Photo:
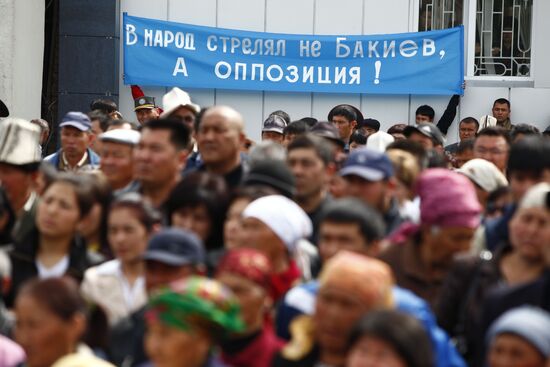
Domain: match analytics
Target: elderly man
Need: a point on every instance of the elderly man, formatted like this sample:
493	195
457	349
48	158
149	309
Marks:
19	161
76	138
117	157
220	136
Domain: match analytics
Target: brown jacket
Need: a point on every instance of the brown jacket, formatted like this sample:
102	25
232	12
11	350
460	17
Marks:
410	272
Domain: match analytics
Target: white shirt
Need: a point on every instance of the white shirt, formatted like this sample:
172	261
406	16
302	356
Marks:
58	270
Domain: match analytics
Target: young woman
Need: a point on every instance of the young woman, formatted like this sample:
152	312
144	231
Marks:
198	203
118	285
54	249
51	320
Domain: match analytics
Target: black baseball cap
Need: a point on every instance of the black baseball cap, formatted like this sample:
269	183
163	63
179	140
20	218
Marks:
175	247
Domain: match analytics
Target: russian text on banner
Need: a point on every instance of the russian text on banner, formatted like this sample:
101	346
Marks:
160	53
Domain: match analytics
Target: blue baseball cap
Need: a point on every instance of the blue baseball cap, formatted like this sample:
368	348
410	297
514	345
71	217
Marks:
368	164
175	247
79	120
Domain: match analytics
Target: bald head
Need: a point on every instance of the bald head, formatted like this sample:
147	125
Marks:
233	117
219	138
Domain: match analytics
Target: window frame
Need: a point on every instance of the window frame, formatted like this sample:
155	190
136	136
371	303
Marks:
469	8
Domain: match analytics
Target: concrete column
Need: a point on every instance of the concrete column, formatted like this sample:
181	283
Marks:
21	56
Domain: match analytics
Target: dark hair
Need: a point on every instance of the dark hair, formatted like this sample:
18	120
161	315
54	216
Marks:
502	101
310	121
436	159
180	135
397	129
296	127
202	188
349	210
120	122
343	110
144	212
470	120
530	155
494	196
524	129
465	145
103	195
412	147
495	131
309	141
251	193
61	296
6	209
425	110
406	335
101	117
107	106
358	138
282	114
83	189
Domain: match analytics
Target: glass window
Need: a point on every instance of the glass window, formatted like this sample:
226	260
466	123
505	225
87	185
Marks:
440	14
503	37
502	32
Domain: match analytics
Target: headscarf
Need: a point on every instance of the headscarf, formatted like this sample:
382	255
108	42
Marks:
249	263
529	323
447	199
484	174
283	216
537	196
196	302
369	279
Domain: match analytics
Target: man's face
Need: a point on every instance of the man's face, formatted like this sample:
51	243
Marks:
74	142
508	349
145	114
336	312
467	130
17	184
219	139
501	111
117	163
372	193
463	157
520	182
96	131
423	119
273	136
345	126
309	171
493	149
422	139
157	160
158	274
185	115
445	243
334	237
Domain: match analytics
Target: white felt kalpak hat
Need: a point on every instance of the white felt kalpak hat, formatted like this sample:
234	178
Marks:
176	98
19	142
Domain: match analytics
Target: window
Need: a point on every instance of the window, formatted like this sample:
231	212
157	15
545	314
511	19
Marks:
503	37
502	31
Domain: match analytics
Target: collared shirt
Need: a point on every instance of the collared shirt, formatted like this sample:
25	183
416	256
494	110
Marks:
64	164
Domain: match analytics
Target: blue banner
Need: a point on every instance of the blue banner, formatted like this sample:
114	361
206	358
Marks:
160	53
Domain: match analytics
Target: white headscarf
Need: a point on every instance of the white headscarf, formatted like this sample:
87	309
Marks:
283	216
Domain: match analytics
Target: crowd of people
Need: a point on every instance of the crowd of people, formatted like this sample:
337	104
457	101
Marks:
172	239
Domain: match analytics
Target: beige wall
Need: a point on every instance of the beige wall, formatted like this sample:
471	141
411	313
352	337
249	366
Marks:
21	58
